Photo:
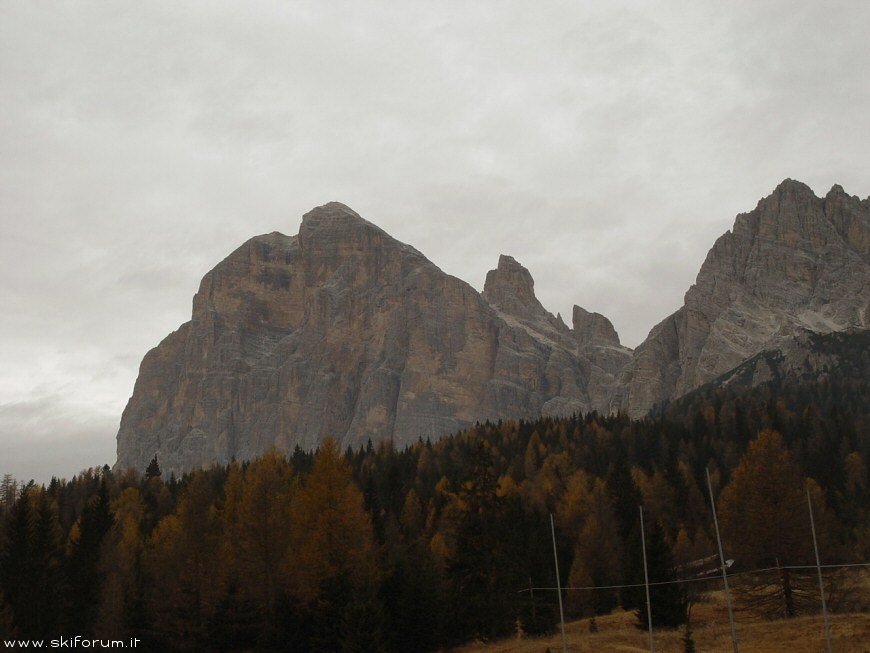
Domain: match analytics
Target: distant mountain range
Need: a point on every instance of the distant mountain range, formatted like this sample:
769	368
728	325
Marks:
344	331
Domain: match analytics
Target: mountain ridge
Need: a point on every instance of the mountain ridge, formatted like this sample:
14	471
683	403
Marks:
342	330
795	262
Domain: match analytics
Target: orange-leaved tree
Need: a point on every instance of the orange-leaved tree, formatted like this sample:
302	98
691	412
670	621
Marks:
331	534
257	524
332	566
764	519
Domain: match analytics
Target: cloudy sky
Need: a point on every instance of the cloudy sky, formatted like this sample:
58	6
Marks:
603	145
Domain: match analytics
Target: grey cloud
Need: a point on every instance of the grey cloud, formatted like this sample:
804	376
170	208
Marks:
604	146
48	437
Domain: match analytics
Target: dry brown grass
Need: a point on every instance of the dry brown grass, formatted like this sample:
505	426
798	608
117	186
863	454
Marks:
711	632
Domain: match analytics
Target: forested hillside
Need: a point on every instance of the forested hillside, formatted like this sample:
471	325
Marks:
381	549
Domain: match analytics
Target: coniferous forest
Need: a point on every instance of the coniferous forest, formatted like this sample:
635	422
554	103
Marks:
420	549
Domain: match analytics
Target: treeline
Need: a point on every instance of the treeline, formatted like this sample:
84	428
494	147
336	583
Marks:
381	549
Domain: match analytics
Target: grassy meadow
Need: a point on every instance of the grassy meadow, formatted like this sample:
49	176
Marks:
711	633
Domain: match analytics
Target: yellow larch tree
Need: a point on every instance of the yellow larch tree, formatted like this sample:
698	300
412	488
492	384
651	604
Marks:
332	534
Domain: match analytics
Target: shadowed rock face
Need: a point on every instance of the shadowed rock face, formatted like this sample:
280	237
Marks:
797	262
343	331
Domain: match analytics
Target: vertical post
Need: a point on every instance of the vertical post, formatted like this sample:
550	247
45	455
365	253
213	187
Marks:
558	586
722	562
819	569
534	610
652	646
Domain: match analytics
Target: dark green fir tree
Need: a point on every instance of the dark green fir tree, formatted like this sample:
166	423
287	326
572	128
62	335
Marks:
667	597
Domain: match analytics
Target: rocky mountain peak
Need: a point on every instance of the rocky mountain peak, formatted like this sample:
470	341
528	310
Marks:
836	189
342	330
593	327
787	213
336	235
793	187
795	262
331	211
335	221
788	196
510	288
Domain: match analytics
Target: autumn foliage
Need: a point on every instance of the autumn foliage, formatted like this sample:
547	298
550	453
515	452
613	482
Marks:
380	549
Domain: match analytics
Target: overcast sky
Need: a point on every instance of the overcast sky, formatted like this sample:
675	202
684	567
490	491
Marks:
604	145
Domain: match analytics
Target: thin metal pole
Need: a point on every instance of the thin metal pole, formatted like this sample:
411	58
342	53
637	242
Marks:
722	562
534	611
819	569
558	586
652	646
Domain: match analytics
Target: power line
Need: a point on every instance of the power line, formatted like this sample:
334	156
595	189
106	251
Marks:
698	580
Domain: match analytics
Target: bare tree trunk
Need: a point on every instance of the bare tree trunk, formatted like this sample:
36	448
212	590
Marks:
787	593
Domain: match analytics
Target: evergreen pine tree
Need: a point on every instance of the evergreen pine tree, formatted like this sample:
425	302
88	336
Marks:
362	626
480	569
5	619
153	469
31	577
627	498
44	565
13	578
233	626
668	601
83	570
412	579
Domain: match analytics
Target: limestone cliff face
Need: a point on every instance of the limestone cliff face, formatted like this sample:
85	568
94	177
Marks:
796	262
593	344
343	331
598	343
